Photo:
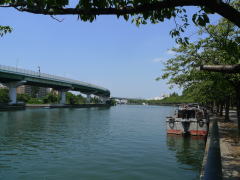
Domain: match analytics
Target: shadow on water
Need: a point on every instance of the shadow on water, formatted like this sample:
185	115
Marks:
189	150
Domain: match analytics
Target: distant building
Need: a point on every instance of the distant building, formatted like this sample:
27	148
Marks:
121	101
31	90
160	97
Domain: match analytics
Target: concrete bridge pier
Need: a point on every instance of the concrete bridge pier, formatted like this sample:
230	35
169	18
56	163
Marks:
12	93
88	98
12	86
63	97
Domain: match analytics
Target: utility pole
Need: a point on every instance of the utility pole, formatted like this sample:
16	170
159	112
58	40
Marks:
39	71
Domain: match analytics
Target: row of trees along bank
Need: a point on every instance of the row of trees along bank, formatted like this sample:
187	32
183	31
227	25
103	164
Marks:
51	98
218	44
173	99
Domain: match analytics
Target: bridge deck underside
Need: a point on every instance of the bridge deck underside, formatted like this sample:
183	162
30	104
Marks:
58	85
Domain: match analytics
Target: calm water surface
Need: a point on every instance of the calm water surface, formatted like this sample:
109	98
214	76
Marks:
121	142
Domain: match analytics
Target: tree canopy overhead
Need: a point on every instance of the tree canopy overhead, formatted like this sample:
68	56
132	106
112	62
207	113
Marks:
139	11
153	10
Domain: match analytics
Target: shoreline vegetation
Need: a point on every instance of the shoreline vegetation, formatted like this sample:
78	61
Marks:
173	99
51	98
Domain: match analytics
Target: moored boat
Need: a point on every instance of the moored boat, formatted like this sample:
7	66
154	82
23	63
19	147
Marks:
188	119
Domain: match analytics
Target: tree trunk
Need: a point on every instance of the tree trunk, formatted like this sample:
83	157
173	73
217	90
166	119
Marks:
221	109
232	102
227	105
218	108
212	107
237	89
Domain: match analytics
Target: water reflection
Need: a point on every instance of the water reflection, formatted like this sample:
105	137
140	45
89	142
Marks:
50	127
189	150
123	142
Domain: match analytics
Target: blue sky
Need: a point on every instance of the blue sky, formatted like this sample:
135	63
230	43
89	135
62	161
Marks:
109	52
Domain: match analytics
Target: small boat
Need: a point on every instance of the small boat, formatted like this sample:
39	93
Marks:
188	119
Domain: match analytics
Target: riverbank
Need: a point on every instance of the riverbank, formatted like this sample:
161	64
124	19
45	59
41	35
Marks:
49	106
65	106
11	107
227	140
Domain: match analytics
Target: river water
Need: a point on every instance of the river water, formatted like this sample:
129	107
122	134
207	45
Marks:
123	142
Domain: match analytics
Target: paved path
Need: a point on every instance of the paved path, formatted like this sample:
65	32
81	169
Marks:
230	147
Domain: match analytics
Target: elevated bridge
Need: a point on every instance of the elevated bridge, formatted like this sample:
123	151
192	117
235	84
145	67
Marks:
125	98
14	77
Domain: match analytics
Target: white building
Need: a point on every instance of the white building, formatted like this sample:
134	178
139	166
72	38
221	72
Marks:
160	97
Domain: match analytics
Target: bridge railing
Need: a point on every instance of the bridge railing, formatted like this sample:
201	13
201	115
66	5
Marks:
21	71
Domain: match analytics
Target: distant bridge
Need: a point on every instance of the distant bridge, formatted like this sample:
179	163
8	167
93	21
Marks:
125	98
14	77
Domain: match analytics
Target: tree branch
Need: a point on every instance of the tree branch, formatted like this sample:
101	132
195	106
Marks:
226	11
59	20
221	68
221	8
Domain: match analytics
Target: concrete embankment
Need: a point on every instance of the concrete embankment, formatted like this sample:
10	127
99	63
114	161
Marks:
11	107
65	106
22	107
222	152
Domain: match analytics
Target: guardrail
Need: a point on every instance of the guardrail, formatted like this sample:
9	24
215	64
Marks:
47	76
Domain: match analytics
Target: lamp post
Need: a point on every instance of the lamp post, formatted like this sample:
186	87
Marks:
39	71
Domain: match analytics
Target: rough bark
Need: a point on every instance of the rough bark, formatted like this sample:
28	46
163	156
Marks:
221	68
227	105
221	109
225	10
218	108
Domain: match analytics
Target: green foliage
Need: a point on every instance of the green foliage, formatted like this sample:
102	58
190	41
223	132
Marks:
50	98
23	98
71	98
95	100
111	102
4	98
75	99
220	45
81	99
35	101
35	91
138	11
174	98
4	30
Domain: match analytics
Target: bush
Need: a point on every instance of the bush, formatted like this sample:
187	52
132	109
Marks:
35	101
4	98
111	102
23	97
50	98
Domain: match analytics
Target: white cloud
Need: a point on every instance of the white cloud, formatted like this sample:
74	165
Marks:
157	60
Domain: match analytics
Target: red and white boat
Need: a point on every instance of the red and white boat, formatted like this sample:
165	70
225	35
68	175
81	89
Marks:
188	119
